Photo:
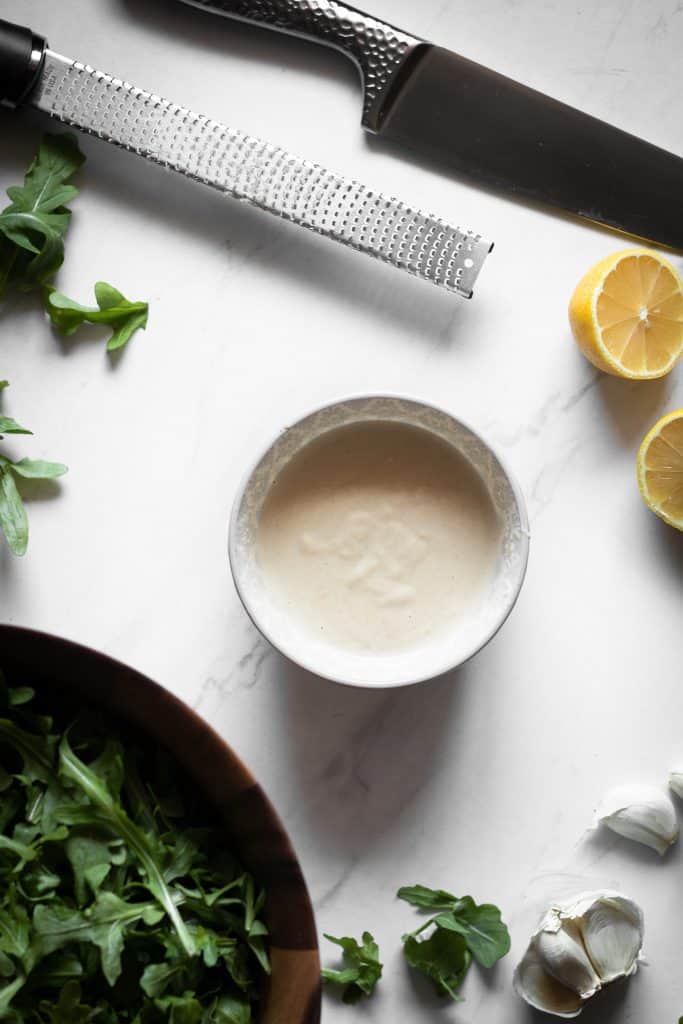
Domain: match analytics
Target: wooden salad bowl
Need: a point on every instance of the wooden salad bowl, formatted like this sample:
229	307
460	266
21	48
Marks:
255	831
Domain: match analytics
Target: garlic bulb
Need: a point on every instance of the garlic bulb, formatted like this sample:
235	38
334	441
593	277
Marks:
676	781
581	945
643	813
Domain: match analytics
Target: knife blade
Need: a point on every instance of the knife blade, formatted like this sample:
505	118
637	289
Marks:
236	164
486	126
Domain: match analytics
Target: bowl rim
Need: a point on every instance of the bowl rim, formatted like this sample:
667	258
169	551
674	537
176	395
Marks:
448	666
25	646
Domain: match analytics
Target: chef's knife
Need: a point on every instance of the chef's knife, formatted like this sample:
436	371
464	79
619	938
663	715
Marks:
484	125
237	164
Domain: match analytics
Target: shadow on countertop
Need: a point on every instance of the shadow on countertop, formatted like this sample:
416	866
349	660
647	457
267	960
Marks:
362	757
668	542
630	408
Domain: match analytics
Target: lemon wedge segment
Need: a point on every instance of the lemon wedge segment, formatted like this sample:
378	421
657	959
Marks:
627	315
660	469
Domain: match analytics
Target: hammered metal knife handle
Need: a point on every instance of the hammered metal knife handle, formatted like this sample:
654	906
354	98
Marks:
379	50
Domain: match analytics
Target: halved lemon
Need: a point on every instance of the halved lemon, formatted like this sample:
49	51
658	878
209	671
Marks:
660	469
627	314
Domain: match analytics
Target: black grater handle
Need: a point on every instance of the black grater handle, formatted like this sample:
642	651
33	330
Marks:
21	61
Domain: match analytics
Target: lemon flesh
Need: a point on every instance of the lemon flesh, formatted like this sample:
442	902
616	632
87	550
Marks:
660	469
627	315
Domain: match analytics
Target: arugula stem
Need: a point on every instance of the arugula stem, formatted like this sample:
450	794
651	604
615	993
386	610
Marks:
78	772
423	927
8	993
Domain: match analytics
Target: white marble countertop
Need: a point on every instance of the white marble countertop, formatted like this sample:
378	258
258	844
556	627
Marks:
482	782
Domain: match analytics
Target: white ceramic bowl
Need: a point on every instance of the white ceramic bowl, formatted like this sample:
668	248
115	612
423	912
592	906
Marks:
469	634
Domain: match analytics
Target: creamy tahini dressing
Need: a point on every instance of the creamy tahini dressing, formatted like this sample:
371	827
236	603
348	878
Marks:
377	536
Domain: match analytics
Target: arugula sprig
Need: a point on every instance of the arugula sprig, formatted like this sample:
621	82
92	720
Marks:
462	931
13	518
33	226
114	309
32	230
362	968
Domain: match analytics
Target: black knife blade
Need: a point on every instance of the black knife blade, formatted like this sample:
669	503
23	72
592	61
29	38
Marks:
514	138
487	126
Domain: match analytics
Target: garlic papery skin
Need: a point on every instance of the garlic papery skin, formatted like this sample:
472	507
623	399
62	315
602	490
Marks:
676	781
643	813
580	946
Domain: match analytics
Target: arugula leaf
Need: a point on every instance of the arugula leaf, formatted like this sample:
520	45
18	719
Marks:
13	518
57	971
91	856
10	426
14	926
123	316
157	978
443	957
429	899
36	752
69	1009
104	924
362	968
38	469
231	1010
19	695
33	226
183	1009
486	934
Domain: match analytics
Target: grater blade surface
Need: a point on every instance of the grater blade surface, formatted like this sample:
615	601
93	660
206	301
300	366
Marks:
259	173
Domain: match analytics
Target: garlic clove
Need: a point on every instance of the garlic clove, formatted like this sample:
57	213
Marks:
612	932
602	929
643	813
676	781
540	990
564	957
